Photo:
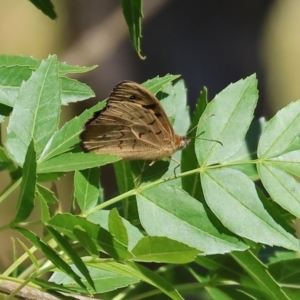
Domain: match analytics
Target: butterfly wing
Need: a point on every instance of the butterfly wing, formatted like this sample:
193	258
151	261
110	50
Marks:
133	125
131	92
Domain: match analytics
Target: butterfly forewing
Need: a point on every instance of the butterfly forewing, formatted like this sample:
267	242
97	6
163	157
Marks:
133	125
132	92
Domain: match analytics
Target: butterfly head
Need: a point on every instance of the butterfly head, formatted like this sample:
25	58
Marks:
182	142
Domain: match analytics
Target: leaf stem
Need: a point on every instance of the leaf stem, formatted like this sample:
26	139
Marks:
155	183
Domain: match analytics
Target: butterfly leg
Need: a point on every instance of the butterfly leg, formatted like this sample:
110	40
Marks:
178	165
144	167
152	163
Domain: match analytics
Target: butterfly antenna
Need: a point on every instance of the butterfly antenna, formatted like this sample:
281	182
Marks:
212	115
207	139
191	130
212	141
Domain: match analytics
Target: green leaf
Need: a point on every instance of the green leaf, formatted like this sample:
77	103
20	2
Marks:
44	208
65	224
68	136
289	162
162	249
46	7
75	161
50	254
102	218
280	132
227	280
154	279
132	11
125	183
117	227
226	119
11	78
228	293
186	218
112	246
64	69
285	268
240	209
142	273
282	217
156	84
178	99
45	197
182	114
52	289
72	254
27	193
74	91
104	280
87	188
16	69
258	272
47	194
50	176
30	255
5	111
36	111
139	272
192	183
86	241
5	161
247	151
282	187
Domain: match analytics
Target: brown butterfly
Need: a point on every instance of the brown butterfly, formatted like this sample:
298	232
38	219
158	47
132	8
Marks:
133	125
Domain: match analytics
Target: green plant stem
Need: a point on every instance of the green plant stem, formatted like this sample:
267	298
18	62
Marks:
162	180
10	189
18	262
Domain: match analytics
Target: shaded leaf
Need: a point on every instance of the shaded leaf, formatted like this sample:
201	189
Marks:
46	7
50	254
132	11
72	254
192	184
86	241
65	223
27	193
259	273
102	218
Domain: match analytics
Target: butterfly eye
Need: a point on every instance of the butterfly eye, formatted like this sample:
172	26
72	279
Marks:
132	97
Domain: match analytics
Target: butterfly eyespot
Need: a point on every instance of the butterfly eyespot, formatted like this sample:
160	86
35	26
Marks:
132	97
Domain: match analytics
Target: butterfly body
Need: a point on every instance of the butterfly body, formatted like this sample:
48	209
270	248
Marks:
133	125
